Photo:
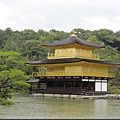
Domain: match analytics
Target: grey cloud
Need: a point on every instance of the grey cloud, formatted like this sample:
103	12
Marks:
59	14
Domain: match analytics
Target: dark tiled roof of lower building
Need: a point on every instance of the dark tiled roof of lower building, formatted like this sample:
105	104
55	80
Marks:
33	80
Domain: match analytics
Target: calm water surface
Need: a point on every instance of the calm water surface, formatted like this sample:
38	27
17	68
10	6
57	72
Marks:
60	108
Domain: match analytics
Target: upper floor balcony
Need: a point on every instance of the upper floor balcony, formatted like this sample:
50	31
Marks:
63	73
64	55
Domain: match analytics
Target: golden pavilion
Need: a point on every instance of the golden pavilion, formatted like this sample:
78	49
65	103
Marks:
73	68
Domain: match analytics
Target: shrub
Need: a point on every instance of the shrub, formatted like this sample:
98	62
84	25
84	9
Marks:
5	102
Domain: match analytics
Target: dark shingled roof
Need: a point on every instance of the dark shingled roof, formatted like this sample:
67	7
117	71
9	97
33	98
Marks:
69	60
70	40
33	80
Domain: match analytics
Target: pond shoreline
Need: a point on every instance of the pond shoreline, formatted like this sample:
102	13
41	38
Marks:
28	107
106	96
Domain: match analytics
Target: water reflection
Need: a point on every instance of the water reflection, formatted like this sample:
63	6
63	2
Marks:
100	108
42	108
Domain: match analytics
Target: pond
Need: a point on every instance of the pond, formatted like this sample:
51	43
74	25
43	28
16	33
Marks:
60	108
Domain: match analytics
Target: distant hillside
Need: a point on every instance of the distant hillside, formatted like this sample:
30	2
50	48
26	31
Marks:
29	44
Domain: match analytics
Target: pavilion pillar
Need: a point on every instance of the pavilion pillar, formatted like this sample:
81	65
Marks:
46	83
64	84
71	84
80	83
89	86
39	84
107	84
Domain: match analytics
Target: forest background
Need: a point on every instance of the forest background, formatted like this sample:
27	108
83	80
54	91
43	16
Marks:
18	47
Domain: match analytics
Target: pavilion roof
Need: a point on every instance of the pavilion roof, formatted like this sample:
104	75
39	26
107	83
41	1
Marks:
71	40
69	60
33	80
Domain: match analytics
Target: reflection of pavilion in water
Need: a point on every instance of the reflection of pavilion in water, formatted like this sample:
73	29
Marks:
100	110
73	68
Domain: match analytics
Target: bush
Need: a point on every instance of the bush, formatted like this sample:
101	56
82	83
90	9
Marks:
114	89
5	102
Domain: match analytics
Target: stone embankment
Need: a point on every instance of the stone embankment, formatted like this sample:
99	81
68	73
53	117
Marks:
107	96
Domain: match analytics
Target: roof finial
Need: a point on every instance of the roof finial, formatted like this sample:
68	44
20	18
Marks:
74	33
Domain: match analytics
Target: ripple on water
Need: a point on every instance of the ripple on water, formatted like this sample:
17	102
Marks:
64	108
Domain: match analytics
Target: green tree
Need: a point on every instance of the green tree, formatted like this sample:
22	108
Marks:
2	37
34	50
109	54
12	80
29	34
93	39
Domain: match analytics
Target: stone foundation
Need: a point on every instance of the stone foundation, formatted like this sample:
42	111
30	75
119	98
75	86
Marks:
73	96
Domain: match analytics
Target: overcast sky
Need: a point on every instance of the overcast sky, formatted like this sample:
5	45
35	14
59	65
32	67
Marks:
63	15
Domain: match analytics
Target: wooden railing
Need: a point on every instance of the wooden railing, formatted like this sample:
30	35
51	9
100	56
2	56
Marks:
62	73
58	90
93	56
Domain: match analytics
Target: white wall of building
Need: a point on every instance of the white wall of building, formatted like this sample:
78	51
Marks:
101	86
104	86
97	86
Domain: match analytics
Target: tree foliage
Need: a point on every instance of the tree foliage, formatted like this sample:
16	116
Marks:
11	79
27	46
